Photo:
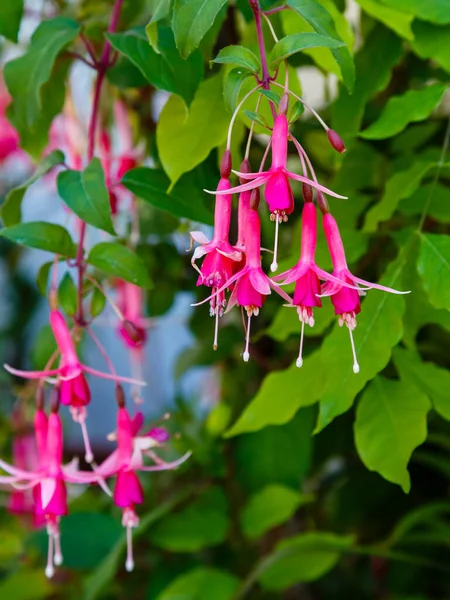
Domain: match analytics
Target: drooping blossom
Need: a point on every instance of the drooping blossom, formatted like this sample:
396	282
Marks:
9	138
126	460
344	297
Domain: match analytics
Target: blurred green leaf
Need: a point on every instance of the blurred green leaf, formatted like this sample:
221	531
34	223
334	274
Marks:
10	18
435	11
201	584
119	261
67	295
98	302
42	235
398	21
438	208
434	268
291	44
239	56
287	323
26	584
419	516
432	42
191	20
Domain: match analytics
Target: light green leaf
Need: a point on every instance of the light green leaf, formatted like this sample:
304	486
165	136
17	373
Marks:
398	21
42	235
291	44
286	323
411	107
10	210
85	193
399	186
26	584
151	185
391	421
119	261
160	10
239	56
67	295
191	20
273	505
321	21
432	42
201	584
298	388
432	380
185	137
436	11
10	18
165	70
234	81
434	268
26	75
379	330
305	557
203	523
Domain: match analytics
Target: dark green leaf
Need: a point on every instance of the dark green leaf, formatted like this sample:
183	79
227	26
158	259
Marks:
85	193
191	20
273	96
201	584
10	18
432	42
41	235
398	21
233	84
436	11
119	261
10	210
67	295
319	18
98	302
434	268
253	116
292	44
239	56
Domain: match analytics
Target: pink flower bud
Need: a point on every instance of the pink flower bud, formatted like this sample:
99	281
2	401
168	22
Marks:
336	141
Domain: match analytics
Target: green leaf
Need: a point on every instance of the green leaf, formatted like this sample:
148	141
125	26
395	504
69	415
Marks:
203	523
379	330
119	261
26	584
432	380
191	20
291	44
273	505
86	195
434	268
42	235
411	107
160	10
67	295
151	185
436	11
274	97
25	76
10	18
419	516
234	81
391	421
432	42
201	584
321	21
165	70
298	388
286	323
398	21
239	56
438	209
98	302
304	557
186	137
10	210
253	116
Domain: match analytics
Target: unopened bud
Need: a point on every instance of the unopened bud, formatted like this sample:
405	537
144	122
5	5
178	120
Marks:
307	192
254	199
245	168
120	396
55	399
40	398
136	334
284	104
322	203
336	141
225	165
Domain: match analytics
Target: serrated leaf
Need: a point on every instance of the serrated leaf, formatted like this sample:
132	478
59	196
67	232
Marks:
10	210
398	21
432	42
86	195
151	185
25	76
391	415
273	505
185	137
411	107
304	557
321	21
239	56
119	261
10	18
67	295
191	20
434	268
42	235
436	11
164	69
234	81
291	44
202	583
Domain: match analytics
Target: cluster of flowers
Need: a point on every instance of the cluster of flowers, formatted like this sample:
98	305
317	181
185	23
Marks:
237	269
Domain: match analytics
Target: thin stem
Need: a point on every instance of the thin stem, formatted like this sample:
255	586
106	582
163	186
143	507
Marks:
265	80
318	117
80	57
103	352
275	10
270	26
89	48
113	305
252	129
235	114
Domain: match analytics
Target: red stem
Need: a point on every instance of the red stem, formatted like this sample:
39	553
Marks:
276	9
265	80
102	67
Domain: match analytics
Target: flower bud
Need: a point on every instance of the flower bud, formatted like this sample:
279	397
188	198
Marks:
245	168
307	192
40	398
120	396
225	165
284	104
55	399
322	203
135	334
336	141
254	199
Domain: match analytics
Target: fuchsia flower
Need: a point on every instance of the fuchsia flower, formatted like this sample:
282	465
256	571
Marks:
217	266
344	295
48	481
126	460
24	457
132	329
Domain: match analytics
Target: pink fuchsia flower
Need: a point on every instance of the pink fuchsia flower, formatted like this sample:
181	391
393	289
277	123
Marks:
278	191
345	293
217	266
126	460
24	454
251	284
48	481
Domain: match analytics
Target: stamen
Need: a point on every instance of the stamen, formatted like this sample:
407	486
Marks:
299	361
89	456
58	557
129	563
274	265
355	361
246	354
50	569
216	329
